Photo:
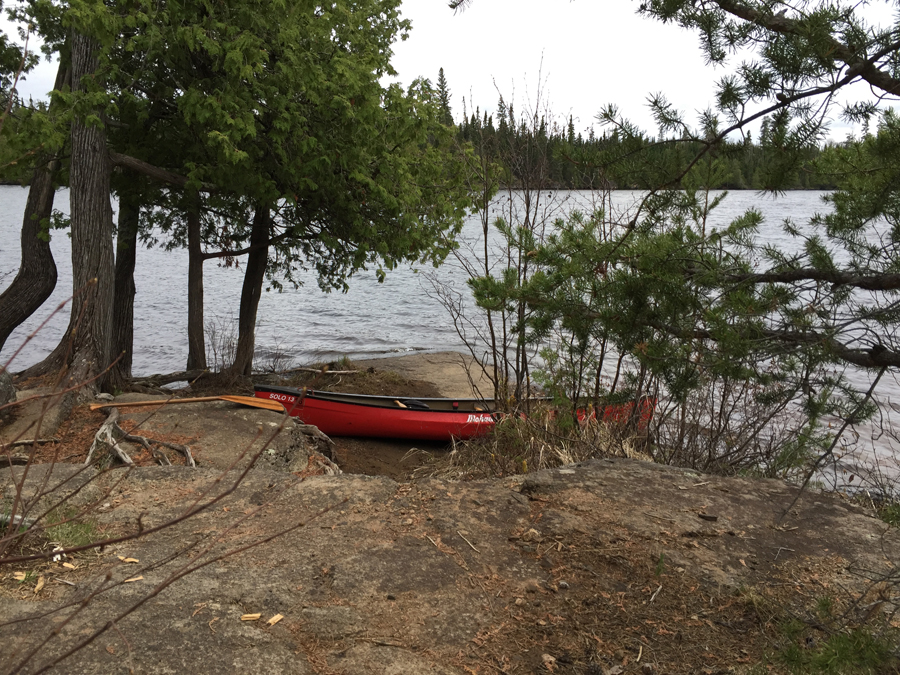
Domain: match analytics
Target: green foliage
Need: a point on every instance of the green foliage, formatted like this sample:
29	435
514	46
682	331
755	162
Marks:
660	565
627	158
275	103
69	529
890	513
854	651
722	321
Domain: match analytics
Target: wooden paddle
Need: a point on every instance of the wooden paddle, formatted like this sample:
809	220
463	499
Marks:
252	401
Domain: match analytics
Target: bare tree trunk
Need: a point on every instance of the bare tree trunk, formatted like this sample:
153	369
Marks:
123	300
196	342
36	278
252	291
92	233
82	354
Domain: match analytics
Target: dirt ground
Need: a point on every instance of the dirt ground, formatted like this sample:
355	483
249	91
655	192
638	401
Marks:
608	567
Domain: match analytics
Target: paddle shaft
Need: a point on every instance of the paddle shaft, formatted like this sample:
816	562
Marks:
243	400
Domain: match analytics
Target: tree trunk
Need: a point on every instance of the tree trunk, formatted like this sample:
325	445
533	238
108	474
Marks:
36	278
252	291
196	340
92	237
82	354
123	301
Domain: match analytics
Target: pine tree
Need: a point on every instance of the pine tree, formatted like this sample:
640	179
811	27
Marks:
446	116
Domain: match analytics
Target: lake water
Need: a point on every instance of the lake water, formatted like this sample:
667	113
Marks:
305	324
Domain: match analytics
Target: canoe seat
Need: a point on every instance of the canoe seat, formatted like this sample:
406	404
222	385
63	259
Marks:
413	404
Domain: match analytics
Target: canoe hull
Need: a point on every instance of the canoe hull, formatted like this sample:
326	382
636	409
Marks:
383	416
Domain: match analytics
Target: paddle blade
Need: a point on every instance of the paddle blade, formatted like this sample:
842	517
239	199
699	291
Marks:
255	402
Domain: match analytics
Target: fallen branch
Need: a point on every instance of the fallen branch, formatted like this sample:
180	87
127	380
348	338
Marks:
31	441
321	371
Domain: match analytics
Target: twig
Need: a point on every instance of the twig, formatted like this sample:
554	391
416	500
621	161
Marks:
471	545
780	549
655	593
380	641
322	371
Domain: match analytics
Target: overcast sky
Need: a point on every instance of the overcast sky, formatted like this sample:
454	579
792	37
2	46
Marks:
579	55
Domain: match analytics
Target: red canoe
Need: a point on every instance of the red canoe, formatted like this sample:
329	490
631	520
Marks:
436	419
336	414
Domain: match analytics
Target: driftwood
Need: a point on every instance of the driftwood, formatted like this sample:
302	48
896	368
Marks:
169	378
160	457
106	436
320	371
30	441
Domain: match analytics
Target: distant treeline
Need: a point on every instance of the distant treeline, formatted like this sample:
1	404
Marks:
628	159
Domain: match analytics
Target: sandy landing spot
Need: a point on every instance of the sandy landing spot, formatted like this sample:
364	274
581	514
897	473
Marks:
453	373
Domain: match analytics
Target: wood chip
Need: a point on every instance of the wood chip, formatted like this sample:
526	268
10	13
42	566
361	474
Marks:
68	566
275	619
20	576
39	585
138	578
128	560
251	617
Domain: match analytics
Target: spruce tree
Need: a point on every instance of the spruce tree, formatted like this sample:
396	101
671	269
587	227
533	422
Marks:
446	116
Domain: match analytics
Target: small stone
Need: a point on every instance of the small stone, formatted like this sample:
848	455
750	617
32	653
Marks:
105	397
532	587
532	535
563	585
408	521
647	668
547	659
520	601
391	597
